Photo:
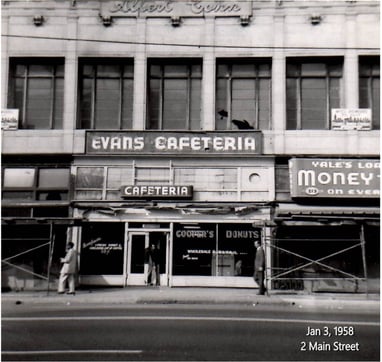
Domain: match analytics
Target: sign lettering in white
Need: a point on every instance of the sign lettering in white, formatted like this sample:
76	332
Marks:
334	178
173	142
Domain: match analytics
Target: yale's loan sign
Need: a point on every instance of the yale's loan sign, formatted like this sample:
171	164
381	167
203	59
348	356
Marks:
350	178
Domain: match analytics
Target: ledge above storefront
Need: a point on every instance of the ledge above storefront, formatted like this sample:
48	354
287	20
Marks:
321	142
312	142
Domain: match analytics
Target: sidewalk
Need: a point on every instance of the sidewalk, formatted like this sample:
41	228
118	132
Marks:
192	295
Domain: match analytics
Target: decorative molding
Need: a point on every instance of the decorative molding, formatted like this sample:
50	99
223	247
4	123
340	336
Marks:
315	19
245	20
106	20
172	8
176	21
38	20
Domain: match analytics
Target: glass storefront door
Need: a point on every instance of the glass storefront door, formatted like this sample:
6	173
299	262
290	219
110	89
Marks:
138	263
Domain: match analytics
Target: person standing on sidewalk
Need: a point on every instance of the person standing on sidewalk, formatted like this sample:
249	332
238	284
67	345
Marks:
68	270
259	267
148	266
155	265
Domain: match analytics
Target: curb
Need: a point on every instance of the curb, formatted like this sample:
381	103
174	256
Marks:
364	303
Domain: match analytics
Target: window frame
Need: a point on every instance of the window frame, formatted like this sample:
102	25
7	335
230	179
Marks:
371	61
162	63
120	63
257	62
14	62
298	63
35	190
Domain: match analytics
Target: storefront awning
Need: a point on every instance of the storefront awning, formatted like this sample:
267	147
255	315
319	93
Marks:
317	213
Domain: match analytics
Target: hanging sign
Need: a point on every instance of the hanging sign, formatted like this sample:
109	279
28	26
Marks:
156	192
9	119
351	119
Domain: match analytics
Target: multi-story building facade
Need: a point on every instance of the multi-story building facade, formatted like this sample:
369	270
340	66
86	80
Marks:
199	126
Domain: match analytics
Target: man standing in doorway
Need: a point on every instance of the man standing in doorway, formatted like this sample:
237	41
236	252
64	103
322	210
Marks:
259	267
68	270
155	264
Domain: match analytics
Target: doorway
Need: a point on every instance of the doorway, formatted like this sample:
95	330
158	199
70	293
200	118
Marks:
138	242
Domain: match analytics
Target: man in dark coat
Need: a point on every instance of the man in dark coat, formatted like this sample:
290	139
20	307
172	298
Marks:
259	267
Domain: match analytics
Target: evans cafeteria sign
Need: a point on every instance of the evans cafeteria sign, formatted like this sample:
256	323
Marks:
150	142
343	178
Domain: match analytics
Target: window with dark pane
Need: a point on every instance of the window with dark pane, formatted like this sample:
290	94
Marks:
36	89
243	92
36	183
313	88
369	87
106	94
174	95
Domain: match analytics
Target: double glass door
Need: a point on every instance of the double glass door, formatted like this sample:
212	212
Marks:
138	263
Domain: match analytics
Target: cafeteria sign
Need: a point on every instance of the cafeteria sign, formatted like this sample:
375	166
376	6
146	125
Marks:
157	142
343	178
156	191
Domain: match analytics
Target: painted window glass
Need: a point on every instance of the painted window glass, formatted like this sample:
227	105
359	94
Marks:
102	248
214	249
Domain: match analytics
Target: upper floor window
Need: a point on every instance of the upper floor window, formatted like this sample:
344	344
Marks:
313	88
174	95
36	183
36	88
106	94
369	87
243	93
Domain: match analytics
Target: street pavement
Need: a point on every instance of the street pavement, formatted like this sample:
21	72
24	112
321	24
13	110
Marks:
191	295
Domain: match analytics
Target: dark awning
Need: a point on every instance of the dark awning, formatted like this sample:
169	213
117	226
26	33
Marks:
285	212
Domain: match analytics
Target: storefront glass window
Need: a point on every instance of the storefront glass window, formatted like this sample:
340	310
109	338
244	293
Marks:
102	249
194	249
214	249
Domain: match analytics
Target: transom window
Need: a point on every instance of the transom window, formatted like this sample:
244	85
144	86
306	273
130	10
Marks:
104	182
36	183
369	87
243	93
106	94
313	88
174	99
36	89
